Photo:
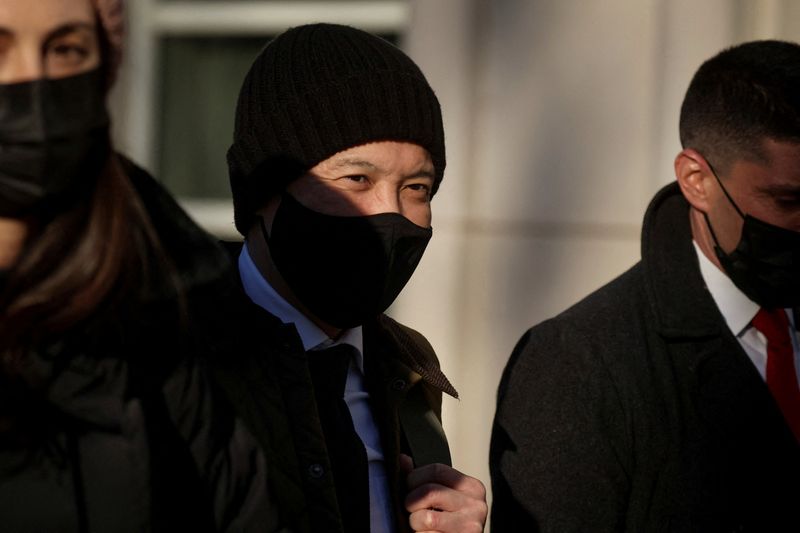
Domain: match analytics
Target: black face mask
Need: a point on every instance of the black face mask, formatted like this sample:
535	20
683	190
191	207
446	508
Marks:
765	265
53	141
345	270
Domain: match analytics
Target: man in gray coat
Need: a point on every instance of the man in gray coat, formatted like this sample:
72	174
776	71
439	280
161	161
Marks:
668	400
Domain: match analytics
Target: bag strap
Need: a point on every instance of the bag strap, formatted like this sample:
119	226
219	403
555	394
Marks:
423	430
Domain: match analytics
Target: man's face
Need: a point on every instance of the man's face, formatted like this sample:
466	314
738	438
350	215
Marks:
370	179
767	191
379	177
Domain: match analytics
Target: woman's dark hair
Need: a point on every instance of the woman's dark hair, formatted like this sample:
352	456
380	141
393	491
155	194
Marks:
740	97
79	261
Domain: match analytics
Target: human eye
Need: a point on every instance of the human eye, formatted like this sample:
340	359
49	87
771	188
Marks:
420	187
69	54
420	190
353	182
787	201
68	49
787	209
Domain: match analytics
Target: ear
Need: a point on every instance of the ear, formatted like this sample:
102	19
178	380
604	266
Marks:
694	178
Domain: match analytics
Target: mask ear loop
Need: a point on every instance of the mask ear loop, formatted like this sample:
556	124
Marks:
264	232
724	190
728	196
263	225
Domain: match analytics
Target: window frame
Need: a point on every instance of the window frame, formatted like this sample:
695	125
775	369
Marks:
135	102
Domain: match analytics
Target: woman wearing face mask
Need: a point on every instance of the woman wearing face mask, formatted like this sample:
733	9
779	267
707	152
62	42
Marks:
107	423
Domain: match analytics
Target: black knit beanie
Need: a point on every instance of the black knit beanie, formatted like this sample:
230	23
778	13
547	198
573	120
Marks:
316	90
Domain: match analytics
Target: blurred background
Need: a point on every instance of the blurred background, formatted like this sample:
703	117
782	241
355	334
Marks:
561	123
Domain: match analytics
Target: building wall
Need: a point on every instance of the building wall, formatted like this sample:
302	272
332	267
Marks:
561	122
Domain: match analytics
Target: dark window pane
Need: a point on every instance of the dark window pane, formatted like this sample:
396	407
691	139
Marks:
199	81
200	78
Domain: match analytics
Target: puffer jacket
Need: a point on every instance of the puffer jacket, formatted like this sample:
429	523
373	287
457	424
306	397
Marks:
125	432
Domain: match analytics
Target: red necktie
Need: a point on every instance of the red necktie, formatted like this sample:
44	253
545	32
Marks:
781	374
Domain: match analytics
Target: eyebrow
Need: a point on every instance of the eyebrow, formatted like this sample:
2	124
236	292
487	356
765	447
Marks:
363	163
350	162
55	33
68	28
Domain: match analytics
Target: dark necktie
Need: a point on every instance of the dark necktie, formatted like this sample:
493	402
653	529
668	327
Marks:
781	372
345	449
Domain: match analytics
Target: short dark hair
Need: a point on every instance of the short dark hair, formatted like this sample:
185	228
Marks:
740	97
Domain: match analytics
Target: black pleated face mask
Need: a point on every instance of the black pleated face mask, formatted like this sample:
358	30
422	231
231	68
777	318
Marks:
53	142
345	270
765	265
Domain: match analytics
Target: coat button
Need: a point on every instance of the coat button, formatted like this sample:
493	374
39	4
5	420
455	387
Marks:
399	384
316	471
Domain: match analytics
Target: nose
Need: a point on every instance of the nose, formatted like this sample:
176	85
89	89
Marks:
21	65
387	200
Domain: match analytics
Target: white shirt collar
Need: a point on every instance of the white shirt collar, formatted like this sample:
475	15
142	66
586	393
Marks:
262	293
737	309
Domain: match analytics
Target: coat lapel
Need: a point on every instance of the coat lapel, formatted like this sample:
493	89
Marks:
728	395
405	386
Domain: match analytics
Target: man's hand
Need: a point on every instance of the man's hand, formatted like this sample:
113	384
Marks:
442	499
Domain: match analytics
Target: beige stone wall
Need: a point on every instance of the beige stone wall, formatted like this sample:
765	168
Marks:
561	123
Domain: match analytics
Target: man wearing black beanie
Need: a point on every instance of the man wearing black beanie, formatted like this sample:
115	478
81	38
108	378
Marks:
338	149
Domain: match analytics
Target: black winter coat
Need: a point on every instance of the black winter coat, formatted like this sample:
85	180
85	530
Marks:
270	384
130	435
637	410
